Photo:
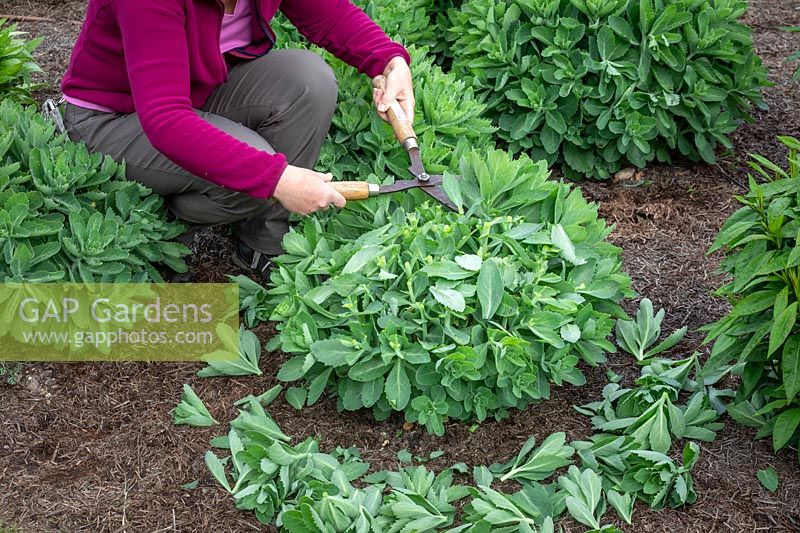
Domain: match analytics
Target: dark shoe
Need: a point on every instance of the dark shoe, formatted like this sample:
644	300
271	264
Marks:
189	236
170	276
246	257
184	277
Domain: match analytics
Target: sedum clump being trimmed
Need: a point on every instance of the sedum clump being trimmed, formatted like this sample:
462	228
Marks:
68	215
595	85
396	304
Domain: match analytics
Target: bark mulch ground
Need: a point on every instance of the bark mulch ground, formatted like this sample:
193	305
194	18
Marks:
92	447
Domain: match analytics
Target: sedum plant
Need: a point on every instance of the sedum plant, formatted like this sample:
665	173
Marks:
252	300
630	472
655	427
410	22
605	454
349	510
419	500
395	304
407	21
16	63
68	215
301	489
585	501
449	115
762	268
596	85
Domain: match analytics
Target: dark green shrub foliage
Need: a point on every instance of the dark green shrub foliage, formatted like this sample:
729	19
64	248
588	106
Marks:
795	56
16	62
598	84
67	215
763	267
398	305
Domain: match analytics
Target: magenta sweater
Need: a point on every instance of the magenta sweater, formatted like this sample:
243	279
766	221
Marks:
161	59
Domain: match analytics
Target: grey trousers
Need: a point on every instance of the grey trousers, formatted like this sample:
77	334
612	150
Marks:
282	102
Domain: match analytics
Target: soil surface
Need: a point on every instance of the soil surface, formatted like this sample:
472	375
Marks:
91	447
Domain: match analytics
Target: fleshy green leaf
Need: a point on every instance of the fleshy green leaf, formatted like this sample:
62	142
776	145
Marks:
490	289
449	298
769	478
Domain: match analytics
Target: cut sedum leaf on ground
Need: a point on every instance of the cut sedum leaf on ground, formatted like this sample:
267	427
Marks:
192	411
769	478
585	500
536	464
234	361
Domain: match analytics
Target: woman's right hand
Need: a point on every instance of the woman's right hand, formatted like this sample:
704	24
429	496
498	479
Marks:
304	191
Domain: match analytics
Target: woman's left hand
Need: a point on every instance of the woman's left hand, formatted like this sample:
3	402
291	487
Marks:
398	87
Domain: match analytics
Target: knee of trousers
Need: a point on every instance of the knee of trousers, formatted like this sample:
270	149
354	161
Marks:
216	206
313	81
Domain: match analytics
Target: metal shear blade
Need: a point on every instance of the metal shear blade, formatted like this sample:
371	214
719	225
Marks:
432	186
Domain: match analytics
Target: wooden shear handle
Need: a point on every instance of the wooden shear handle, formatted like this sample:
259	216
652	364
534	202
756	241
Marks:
355	190
403	129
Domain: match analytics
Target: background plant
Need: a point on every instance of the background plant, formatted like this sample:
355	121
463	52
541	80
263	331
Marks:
449	120
16	63
68	215
407	21
468	314
595	85
762	267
